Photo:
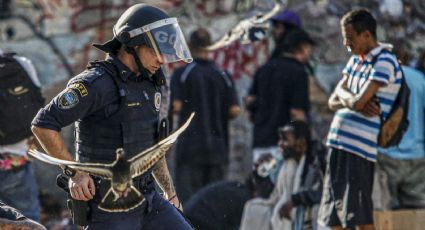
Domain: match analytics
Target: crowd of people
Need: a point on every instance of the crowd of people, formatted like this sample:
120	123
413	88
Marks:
298	180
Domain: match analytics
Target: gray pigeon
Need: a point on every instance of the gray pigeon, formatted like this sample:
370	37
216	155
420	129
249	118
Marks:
121	171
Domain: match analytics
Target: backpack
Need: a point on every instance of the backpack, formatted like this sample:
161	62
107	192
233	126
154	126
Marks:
397	122
20	100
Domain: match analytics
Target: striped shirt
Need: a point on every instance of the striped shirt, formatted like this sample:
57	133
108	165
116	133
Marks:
351	131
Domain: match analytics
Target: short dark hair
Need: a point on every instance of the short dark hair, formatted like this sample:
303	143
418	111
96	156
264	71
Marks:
199	39
300	129
361	20
402	50
296	38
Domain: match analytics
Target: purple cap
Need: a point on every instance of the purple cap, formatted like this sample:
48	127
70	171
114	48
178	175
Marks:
289	17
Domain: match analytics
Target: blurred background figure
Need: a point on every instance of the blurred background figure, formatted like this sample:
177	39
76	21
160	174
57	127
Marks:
279	92
53	215
10	218
297	193
281	24
218	205
202	150
19	101
400	168
420	65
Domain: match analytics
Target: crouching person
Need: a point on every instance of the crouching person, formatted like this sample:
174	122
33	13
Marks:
294	200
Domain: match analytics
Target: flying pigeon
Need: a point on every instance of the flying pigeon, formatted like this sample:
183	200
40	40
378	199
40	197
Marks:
248	28
121	171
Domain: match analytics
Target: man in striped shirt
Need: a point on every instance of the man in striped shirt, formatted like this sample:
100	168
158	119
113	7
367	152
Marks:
363	97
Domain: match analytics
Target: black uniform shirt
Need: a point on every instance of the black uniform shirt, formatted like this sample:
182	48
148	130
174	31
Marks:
209	92
279	86
91	93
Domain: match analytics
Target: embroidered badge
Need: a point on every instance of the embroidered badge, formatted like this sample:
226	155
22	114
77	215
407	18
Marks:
68	99
157	101
81	88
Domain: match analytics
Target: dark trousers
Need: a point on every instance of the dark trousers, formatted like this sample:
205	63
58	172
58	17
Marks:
347	191
191	177
163	216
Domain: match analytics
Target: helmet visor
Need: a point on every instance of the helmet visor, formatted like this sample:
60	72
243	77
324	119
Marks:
167	39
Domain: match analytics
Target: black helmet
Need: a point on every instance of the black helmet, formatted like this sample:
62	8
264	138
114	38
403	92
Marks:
143	24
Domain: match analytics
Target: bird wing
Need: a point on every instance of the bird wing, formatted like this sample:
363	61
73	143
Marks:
231	36
243	26
143	161
95	169
263	18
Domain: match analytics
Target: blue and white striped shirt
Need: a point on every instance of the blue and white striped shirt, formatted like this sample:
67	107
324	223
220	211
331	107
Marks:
351	131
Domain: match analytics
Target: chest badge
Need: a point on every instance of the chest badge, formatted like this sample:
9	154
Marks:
157	101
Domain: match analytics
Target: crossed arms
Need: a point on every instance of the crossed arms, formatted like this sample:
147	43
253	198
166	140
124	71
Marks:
363	102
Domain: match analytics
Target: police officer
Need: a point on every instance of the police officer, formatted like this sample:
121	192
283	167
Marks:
115	104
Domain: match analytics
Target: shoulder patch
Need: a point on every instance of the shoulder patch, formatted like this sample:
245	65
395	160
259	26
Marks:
80	87
68	99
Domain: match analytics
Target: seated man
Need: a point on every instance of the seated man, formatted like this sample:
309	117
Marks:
298	187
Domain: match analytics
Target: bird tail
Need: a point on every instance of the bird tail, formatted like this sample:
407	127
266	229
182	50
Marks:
123	204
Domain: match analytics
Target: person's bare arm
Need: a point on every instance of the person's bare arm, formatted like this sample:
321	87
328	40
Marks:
81	185
234	111
163	178
334	103
363	102
52	143
177	106
359	101
298	115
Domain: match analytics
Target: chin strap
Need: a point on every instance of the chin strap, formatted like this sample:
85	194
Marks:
158	77
142	70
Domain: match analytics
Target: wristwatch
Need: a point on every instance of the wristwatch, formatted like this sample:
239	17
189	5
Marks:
69	171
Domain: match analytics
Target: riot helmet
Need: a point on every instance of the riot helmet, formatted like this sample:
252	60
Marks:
143	24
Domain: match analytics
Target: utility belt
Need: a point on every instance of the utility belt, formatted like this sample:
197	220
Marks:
80	210
143	183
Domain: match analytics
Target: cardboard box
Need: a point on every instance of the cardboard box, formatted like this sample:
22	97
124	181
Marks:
400	220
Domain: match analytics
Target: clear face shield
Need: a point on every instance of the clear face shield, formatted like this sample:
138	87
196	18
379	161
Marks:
167	39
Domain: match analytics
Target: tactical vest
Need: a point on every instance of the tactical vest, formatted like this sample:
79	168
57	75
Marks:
132	127
20	99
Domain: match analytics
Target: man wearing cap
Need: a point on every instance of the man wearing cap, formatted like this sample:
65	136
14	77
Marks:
281	24
279	92
115	104
202	151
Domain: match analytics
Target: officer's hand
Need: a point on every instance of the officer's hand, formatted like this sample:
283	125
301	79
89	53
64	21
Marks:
82	186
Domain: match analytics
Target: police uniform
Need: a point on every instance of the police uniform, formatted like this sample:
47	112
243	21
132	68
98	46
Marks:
114	108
